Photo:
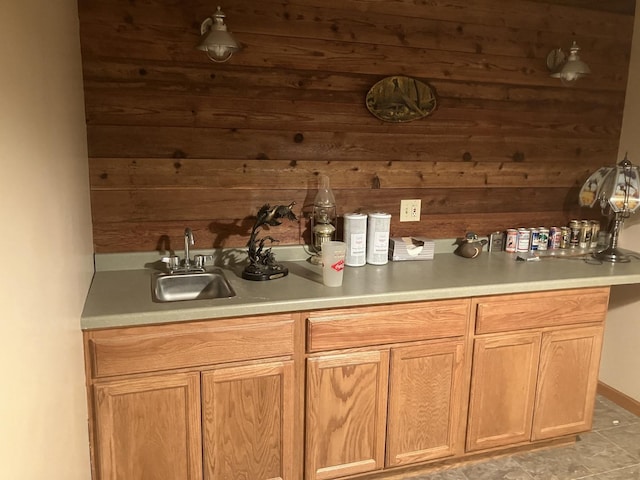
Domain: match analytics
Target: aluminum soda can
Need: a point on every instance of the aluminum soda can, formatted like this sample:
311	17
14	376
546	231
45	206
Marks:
524	236
512	240
555	234
585	234
574	233
496	242
543	238
534	239
565	237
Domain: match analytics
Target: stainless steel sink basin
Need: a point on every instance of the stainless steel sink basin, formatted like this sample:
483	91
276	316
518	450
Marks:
190	286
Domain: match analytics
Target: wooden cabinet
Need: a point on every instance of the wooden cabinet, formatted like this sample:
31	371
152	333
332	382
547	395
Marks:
425	399
149	428
349	420
567	382
179	402
403	398
368	388
503	382
248	421
539	382
346	414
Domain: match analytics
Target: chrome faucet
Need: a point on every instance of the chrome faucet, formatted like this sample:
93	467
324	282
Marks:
175	266
188	240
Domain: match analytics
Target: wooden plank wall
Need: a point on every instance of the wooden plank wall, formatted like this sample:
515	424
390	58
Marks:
176	140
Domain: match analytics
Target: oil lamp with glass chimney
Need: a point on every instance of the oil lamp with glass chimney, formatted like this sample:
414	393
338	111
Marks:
323	218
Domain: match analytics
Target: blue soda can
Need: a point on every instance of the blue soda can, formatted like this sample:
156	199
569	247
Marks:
555	235
543	238
534	240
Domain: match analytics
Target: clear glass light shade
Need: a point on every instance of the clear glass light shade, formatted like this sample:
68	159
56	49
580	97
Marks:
570	70
323	216
216	40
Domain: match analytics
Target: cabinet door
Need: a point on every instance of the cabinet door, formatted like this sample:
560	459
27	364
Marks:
567	382
149	428
346	414
424	402
503	384
248	422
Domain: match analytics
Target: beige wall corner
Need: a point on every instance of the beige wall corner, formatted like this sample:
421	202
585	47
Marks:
621	353
46	243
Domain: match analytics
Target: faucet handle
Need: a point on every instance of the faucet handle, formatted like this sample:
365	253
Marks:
201	260
172	261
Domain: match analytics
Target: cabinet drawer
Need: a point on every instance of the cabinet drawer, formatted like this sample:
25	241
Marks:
502	313
366	326
161	347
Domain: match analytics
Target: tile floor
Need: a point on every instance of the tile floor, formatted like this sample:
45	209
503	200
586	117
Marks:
611	451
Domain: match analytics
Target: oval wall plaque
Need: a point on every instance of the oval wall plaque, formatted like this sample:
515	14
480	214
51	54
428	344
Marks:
400	99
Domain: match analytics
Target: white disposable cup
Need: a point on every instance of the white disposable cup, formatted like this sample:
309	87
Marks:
333	254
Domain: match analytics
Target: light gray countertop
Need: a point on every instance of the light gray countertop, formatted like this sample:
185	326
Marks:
120	294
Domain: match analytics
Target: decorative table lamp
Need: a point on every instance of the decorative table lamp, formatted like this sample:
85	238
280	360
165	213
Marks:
617	189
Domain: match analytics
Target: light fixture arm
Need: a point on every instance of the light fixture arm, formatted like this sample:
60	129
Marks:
205	26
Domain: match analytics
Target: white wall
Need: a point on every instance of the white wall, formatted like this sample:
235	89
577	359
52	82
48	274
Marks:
621	355
46	244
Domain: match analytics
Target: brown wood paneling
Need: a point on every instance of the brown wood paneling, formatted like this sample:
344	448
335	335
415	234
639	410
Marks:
619	6
113	79
127	41
111	107
245	15
174	204
169	235
158	173
175	140
321	113
340	145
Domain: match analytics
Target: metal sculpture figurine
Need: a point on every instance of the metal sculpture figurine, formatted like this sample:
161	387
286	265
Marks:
262	262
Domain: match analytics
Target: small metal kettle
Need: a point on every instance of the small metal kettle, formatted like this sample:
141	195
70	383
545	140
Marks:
470	246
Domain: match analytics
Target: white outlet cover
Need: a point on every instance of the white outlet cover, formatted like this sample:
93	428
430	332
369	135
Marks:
410	210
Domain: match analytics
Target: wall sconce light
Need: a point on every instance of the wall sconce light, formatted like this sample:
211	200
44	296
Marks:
617	190
568	69
216	41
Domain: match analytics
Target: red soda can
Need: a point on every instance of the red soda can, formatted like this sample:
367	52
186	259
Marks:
512	240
